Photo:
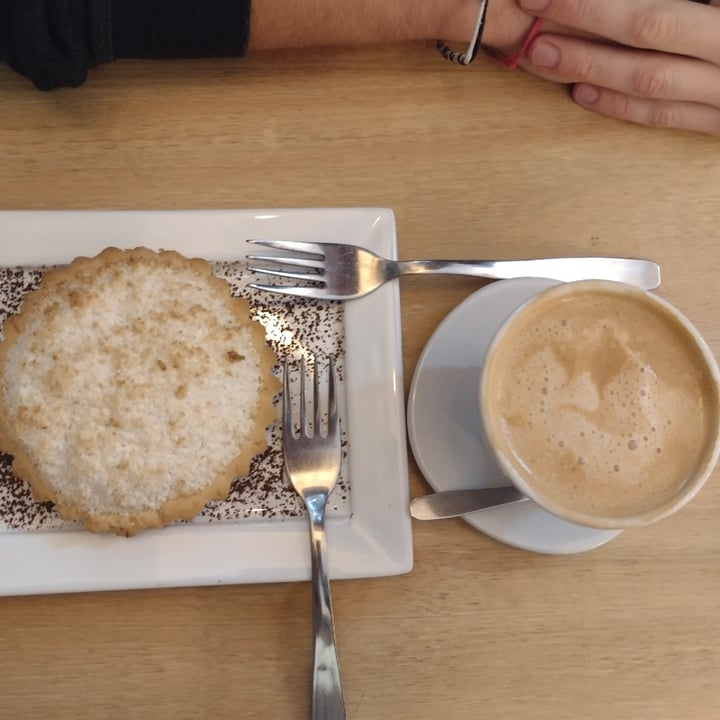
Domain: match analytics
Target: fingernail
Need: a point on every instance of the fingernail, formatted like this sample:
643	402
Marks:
587	94
534	5
545	55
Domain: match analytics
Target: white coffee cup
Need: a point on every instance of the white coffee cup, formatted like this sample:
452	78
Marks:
601	402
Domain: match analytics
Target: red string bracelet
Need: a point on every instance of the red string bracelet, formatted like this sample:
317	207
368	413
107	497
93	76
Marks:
512	60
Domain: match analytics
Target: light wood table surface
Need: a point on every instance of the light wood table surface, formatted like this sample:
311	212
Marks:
475	162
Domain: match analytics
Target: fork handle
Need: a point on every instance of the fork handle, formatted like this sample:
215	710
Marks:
478	268
327	695
643	273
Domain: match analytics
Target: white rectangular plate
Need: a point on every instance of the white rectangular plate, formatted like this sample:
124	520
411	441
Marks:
371	537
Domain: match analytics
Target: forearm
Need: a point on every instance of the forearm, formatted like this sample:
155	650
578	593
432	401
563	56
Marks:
55	43
312	23
315	23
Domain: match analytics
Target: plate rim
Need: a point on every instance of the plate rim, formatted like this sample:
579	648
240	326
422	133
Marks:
376	540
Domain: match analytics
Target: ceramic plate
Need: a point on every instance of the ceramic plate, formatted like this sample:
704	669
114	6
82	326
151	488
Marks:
444	423
260	533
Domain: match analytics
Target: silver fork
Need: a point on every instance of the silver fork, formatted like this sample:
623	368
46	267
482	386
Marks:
344	272
312	463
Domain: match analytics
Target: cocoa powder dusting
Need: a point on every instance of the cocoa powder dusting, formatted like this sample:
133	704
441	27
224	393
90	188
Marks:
293	326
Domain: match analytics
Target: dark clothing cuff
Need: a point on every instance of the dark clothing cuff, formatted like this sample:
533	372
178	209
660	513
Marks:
55	42
180	28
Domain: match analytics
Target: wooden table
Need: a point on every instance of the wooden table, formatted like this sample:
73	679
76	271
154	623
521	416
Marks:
475	162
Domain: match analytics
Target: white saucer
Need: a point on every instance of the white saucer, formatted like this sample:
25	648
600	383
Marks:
444	423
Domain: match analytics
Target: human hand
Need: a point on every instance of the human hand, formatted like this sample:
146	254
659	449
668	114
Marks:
657	62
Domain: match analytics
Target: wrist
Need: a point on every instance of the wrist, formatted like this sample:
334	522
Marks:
454	21
506	26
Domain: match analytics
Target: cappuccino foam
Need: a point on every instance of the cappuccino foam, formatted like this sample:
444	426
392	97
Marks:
602	401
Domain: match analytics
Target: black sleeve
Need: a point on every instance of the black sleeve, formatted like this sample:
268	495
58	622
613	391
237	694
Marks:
55	42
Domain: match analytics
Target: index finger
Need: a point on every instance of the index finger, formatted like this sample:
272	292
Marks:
672	26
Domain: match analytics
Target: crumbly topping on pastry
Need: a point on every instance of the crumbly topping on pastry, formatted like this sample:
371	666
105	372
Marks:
134	389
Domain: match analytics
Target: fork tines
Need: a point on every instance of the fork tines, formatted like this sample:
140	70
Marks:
312	409
315	264
297	246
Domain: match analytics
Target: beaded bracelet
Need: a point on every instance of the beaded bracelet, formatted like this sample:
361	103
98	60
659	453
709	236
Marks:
469	55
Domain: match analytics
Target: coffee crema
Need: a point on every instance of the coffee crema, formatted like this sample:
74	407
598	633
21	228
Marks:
601	401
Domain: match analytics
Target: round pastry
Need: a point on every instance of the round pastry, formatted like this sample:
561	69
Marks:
134	389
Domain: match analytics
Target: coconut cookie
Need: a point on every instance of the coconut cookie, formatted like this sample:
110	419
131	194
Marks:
134	389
